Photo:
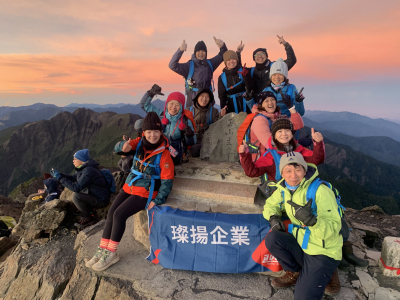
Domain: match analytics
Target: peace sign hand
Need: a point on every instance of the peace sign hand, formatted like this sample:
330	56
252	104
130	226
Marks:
240	47
316	136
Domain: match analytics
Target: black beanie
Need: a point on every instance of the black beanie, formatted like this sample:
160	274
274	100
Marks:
200	46
283	122
152	122
264	95
260	50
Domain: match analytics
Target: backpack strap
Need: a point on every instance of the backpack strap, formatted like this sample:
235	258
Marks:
212	88
311	194
233	96
252	72
211	66
277	160
192	109
209	119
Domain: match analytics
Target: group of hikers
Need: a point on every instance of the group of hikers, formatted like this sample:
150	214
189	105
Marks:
310	249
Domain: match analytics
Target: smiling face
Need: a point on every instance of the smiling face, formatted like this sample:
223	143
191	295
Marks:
269	104
203	99
260	57
153	136
173	107
293	174
284	136
201	54
232	63
277	78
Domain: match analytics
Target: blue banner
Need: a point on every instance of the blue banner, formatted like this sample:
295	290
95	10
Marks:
209	242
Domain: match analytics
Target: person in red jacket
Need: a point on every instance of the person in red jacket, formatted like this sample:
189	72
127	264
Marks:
148	184
280	142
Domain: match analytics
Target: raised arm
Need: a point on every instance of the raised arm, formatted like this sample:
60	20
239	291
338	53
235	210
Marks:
180	68
291	57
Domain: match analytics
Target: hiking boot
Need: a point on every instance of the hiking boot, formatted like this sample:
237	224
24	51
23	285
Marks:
333	286
286	280
349	256
344	265
107	259
96	257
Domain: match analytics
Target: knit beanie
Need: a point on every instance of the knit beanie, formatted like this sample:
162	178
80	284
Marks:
229	55
138	124
279	67
282	122
82	155
200	46
152	122
292	158
181	99
264	95
259	50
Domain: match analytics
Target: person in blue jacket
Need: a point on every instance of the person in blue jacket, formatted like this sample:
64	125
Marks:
279	85
178	123
198	71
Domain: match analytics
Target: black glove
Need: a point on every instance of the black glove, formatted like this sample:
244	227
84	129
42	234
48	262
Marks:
155	90
276	224
303	213
189	132
299	96
286	100
248	96
305	141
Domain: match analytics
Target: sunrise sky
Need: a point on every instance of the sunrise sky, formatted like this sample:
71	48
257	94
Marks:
94	51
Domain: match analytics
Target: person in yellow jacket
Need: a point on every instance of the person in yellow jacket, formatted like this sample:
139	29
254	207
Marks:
309	266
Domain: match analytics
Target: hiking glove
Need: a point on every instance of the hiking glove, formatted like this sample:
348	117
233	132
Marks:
155	90
55	174
276	224
303	213
299	96
189	132
248	96
244	71
286	100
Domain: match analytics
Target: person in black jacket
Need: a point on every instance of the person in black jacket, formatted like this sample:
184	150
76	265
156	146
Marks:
90	187
232	85
260	73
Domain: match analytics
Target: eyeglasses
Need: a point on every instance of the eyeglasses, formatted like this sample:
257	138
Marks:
259	55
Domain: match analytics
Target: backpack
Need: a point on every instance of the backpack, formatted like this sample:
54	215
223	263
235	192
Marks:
191	72
310	196
233	97
243	133
209	118
110	179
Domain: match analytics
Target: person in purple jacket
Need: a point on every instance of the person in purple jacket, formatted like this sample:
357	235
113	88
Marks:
198	71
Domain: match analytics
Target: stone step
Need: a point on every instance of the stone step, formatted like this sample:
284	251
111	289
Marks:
216	190
214	171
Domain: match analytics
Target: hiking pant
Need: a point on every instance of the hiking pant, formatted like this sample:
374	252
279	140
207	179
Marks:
86	203
195	149
124	206
315	270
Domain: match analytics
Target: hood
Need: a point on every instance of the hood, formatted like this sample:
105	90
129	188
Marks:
51	185
210	94
199	61
89	163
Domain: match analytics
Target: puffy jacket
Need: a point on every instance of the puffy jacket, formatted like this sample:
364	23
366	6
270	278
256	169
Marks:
260	131
266	164
232	78
284	110
202	75
51	189
325	238
141	187
168	131
88	176
261	75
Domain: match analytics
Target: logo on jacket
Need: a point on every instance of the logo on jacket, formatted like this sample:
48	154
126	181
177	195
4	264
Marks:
166	165
270	259
291	159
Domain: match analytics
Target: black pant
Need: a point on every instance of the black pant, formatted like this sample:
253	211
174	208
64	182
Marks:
124	206
195	149
315	270
86	203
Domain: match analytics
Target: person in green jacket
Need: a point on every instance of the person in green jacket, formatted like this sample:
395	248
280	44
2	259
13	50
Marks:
309	267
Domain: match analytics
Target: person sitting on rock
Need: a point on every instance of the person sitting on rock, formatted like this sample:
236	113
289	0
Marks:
198	71
267	111
177	122
53	193
148	184
232	86
126	161
261	72
308	265
279	85
90	187
279	143
204	114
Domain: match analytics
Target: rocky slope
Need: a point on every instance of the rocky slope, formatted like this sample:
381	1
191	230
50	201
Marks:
35	148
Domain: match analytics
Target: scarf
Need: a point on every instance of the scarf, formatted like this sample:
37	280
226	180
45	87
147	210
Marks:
149	146
278	87
292	188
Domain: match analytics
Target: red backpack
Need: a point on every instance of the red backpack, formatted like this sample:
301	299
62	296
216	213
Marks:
243	133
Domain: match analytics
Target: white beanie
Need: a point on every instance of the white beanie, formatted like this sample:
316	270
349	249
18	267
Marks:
279	67
292	158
